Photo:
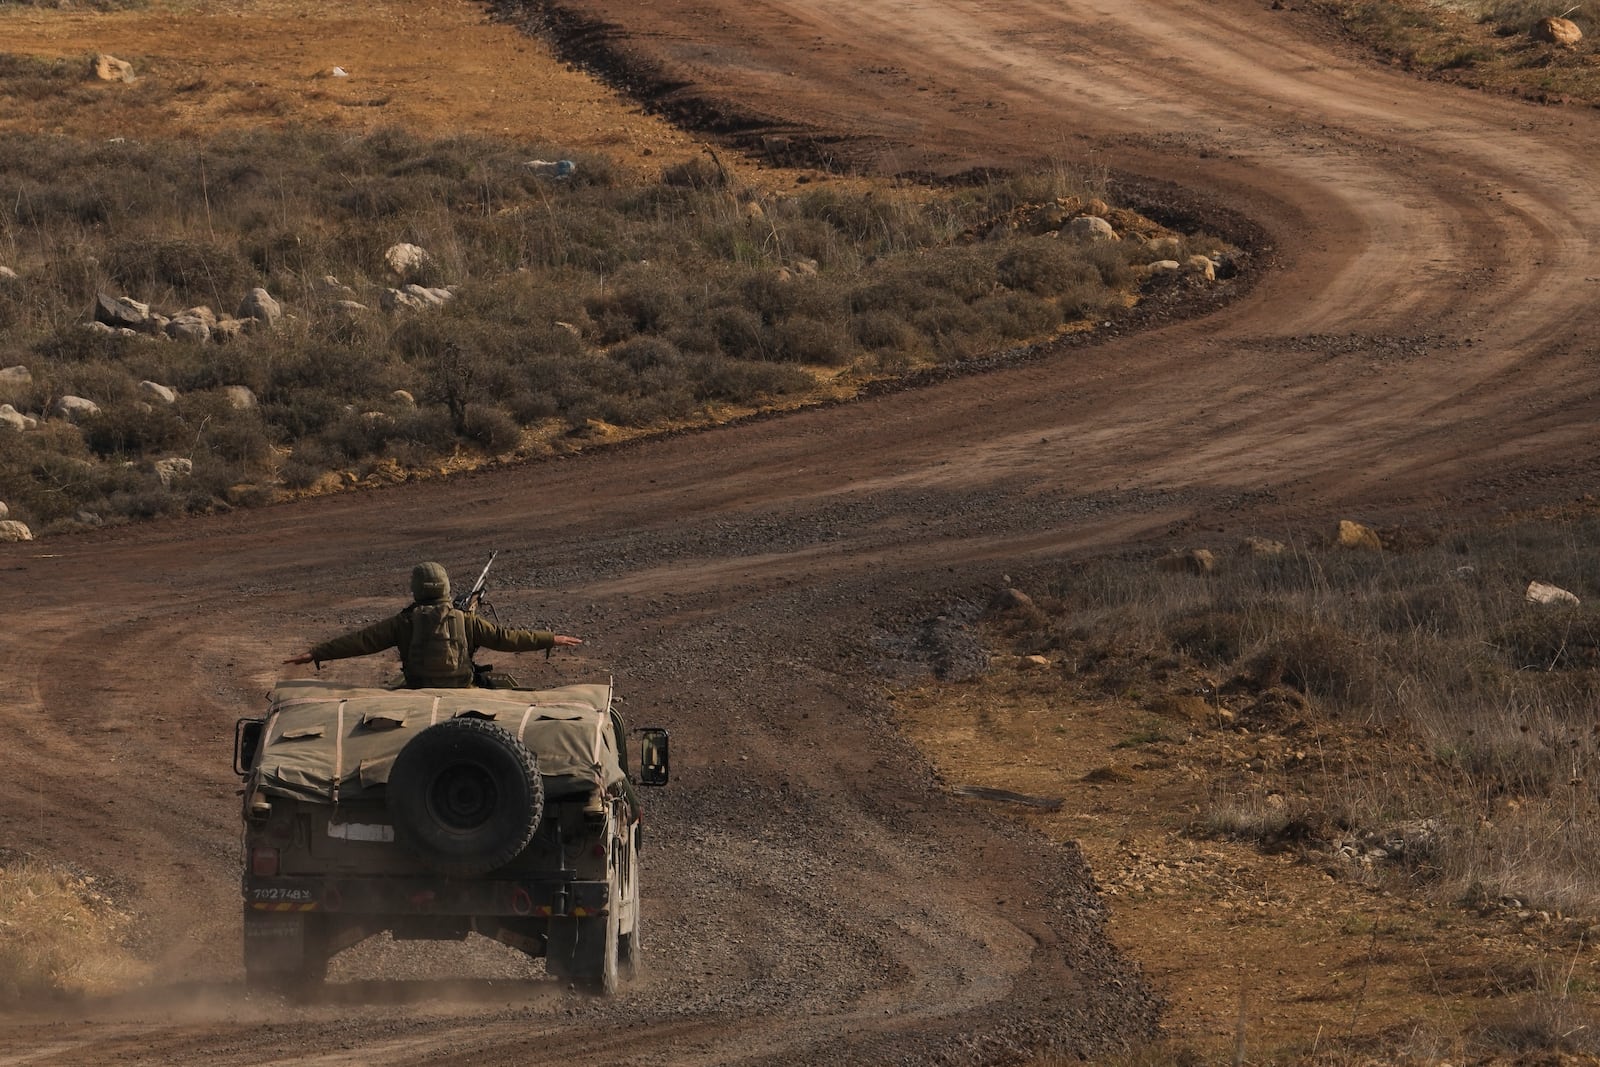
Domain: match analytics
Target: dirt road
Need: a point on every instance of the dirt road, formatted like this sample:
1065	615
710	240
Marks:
1425	347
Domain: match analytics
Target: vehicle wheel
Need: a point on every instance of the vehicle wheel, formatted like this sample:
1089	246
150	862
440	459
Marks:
465	795
609	977
628	944
586	951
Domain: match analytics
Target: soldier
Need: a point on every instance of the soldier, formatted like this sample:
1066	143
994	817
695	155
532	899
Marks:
436	640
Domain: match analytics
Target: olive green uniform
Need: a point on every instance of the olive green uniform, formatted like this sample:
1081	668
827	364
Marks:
396	632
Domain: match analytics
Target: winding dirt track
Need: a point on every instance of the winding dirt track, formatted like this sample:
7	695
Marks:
1425	346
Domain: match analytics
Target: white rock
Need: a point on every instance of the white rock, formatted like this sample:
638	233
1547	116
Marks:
239	397
1090	228
1163	265
164	394
430	296
110	68
394	299
404	397
227	330
406	261
7	273
259	305
4	511
14	378
12	530
172	469
120	311
1165	247
552	168
74	408
1544	593
332	288
15	419
1202	266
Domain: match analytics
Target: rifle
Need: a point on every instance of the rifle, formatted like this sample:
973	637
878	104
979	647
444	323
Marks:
472	598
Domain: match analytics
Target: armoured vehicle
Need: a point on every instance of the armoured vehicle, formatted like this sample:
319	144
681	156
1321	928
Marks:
434	813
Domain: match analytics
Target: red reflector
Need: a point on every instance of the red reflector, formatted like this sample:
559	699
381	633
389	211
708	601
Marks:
264	862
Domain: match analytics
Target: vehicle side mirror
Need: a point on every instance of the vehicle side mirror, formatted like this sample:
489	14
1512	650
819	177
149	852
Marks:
246	744
654	756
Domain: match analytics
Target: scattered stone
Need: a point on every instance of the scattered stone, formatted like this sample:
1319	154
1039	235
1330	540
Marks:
5	512
1162	266
806	268
1356	536
1166	247
259	306
1203	266
12	530
88	518
1262	548
332	288
394	300
406	261
164	394
1010	599
1090	228
192	324
1033	663
1194	561
14	379
338	72
74	408
111	69
554	169
239	397
121	311
99	327
172	469
433	297
227	330
1559	31
350	307
404	397
8	274
753	212
1545	593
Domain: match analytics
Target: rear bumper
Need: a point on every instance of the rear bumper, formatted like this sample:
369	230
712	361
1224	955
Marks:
520	897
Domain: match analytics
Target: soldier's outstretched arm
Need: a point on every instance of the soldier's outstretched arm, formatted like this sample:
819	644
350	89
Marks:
485	634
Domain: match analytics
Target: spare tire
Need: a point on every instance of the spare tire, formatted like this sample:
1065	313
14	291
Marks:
465	795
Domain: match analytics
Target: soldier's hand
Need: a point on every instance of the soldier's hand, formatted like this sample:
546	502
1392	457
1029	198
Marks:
567	642
304	657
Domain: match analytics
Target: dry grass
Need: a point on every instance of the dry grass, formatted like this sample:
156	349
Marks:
600	298
60	937
1483	43
1457	750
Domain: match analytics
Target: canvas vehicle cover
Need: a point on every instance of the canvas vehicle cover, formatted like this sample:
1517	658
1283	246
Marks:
330	743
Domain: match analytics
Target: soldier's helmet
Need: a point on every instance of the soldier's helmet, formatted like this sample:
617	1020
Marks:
429	583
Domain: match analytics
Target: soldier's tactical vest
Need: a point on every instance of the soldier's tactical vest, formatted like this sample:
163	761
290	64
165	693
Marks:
439	655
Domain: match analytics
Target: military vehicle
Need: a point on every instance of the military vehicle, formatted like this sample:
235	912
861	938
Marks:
435	813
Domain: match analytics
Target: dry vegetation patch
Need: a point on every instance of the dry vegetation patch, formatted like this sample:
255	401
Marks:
1487	44
586	307
60	936
1360	791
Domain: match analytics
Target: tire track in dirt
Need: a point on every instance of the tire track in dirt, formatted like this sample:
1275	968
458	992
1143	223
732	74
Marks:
741	583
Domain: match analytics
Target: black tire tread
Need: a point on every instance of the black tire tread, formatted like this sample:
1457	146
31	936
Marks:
415	766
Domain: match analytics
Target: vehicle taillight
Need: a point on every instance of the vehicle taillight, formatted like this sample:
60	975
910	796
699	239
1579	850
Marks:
264	862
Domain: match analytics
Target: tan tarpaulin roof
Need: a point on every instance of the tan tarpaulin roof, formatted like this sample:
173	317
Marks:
321	735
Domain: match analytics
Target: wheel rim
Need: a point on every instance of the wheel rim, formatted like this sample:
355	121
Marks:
463	796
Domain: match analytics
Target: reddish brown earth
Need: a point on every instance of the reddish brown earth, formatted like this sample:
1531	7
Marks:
1422	346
